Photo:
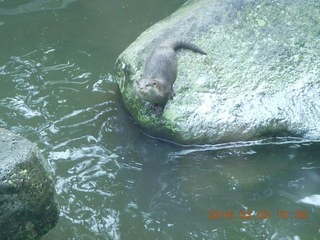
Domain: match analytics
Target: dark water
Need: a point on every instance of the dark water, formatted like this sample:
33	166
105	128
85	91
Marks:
114	181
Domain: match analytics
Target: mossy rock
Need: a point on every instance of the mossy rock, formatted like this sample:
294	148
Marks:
28	208
260	78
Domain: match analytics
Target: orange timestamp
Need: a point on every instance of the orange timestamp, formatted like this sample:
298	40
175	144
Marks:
247	215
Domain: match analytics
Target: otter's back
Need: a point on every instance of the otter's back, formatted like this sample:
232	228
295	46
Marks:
162	64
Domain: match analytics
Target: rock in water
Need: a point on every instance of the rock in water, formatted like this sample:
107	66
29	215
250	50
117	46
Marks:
28	208
260	77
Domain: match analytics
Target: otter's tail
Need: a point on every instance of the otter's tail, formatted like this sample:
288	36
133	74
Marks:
176	44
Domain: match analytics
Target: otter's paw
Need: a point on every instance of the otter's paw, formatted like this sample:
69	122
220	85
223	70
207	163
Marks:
152	106
157	108
159	111
172	95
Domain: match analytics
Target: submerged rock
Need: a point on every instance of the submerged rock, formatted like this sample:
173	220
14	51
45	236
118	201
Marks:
261	75
28	208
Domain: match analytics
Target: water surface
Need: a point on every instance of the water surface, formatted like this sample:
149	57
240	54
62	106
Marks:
113	180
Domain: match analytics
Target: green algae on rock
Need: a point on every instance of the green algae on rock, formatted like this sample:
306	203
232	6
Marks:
260	78
28	208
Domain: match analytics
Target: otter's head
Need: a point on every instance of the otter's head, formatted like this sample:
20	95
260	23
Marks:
152	90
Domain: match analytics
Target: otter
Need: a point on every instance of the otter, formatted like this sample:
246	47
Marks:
160	72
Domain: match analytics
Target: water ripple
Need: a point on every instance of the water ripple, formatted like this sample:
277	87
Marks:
243	144
35	6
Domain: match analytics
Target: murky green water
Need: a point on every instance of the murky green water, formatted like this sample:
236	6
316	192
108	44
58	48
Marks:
114	181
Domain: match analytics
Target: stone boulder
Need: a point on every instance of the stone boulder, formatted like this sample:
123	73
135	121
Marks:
28	208
261	76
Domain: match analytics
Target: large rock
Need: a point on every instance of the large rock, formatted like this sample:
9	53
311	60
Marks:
27	204
261	76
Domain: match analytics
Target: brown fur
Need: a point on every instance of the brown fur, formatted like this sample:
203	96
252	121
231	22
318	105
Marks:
160	73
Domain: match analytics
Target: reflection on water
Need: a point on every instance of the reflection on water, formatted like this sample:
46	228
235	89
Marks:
115	182
15	7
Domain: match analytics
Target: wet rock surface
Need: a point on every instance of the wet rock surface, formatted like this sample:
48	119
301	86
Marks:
260	78
28	208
